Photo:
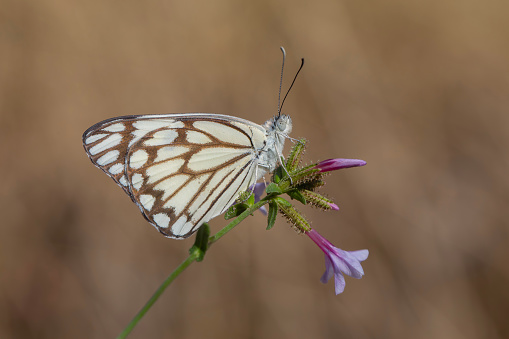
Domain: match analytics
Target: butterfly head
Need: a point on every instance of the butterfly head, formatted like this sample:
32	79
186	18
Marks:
281	125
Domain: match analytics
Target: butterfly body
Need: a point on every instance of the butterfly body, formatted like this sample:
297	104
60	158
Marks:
184	169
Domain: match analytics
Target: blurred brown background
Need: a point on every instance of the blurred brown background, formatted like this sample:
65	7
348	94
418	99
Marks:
418	89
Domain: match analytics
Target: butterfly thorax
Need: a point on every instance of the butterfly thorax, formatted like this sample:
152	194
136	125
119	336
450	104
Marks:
277	130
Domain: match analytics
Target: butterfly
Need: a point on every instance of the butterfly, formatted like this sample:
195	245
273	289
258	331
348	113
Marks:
182	170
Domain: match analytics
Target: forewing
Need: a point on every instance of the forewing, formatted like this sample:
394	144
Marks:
181	170
107	143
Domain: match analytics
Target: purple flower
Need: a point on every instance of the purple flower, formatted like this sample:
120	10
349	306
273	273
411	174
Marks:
338	261
335	164
258	191
334	206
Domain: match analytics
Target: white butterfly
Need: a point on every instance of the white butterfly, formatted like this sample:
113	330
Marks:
184	169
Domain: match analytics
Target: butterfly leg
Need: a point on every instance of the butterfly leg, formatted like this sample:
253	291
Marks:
291	139
251	188
256	179
279	156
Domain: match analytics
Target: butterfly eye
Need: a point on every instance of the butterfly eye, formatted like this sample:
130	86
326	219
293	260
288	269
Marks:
284	124
281	125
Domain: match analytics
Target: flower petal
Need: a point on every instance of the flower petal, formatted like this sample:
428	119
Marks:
334	206
335	164
258	190
360	255
342	265
329	270
339	282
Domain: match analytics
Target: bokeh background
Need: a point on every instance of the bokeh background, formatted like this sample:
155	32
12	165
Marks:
418	89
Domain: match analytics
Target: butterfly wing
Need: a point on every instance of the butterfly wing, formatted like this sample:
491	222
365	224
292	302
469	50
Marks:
180	169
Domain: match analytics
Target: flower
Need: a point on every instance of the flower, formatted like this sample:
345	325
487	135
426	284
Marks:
338	261
258	191
335	164
333	206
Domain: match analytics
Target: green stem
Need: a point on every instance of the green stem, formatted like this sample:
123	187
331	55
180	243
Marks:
190	259
156	295
237	220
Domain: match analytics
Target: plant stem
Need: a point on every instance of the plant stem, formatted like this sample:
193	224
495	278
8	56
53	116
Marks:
156	295
237	220
190	259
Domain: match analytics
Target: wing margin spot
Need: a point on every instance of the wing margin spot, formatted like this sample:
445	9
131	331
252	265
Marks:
111	141
162	220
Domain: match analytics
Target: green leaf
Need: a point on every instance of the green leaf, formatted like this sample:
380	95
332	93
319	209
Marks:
295	194
273	188
271	218
251	200
278	174
201	242
276	178
282	202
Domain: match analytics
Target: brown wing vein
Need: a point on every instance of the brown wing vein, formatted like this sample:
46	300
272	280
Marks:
213	203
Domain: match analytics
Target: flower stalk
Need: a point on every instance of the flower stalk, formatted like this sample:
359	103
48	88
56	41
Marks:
319	200
293	216
196	253
185	264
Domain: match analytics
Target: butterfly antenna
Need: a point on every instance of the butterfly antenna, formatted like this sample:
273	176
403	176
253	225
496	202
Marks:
281	82
295	78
